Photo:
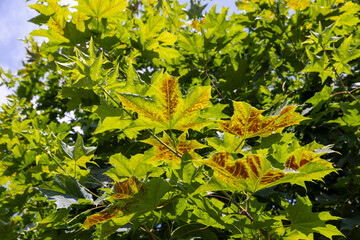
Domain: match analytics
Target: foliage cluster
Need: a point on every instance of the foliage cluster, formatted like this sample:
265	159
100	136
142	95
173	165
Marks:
140	119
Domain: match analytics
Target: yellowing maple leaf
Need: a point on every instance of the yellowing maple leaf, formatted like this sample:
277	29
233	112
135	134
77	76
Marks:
303	156
247	121
168	109
252	173
126	189
103	216
121	190
163	153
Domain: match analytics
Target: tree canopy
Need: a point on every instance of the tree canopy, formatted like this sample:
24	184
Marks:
155	120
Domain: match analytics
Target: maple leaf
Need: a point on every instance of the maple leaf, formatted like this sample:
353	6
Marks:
121	190
304	222
126	189
103	216
303	156
182	146
247	121
168	109
253	172
102	9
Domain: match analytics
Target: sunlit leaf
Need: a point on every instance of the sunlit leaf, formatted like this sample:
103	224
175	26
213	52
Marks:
181	146
102	9
126	189
252	173
168	109
303	156
304	221
247	121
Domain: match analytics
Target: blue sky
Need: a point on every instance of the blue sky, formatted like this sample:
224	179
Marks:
14	15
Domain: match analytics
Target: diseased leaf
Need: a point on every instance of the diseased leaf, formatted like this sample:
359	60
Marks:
168	110
126	189
181	146
251	173
125	208
247	121
302	156
103	216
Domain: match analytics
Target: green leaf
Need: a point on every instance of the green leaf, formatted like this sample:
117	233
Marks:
54	219
79	152
124	167
79	97
95	69
65	191
320	98
303	220
350	114
102	9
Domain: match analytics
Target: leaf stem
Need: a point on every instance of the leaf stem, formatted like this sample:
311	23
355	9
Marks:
246	213
149	232
84	213
240	144
212	82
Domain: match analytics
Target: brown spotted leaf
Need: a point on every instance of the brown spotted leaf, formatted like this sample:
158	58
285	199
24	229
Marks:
248	122
126	189
103	216
136	198
167	109
182	145
251	173
302	156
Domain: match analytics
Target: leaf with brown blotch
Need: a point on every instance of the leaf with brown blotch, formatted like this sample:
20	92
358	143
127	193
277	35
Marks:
248	122
168	109
103	216
252	173
126	189
182	146
303	156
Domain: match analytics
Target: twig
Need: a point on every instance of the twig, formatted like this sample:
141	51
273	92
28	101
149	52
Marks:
151	235
212	82
247	214
344	92
338	77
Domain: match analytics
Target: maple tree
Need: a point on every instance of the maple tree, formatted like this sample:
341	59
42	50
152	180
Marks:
141	119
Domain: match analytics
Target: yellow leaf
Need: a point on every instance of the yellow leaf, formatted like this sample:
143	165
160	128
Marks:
298	4
247	121
251	173
168	109
303	156
126	189
164	154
